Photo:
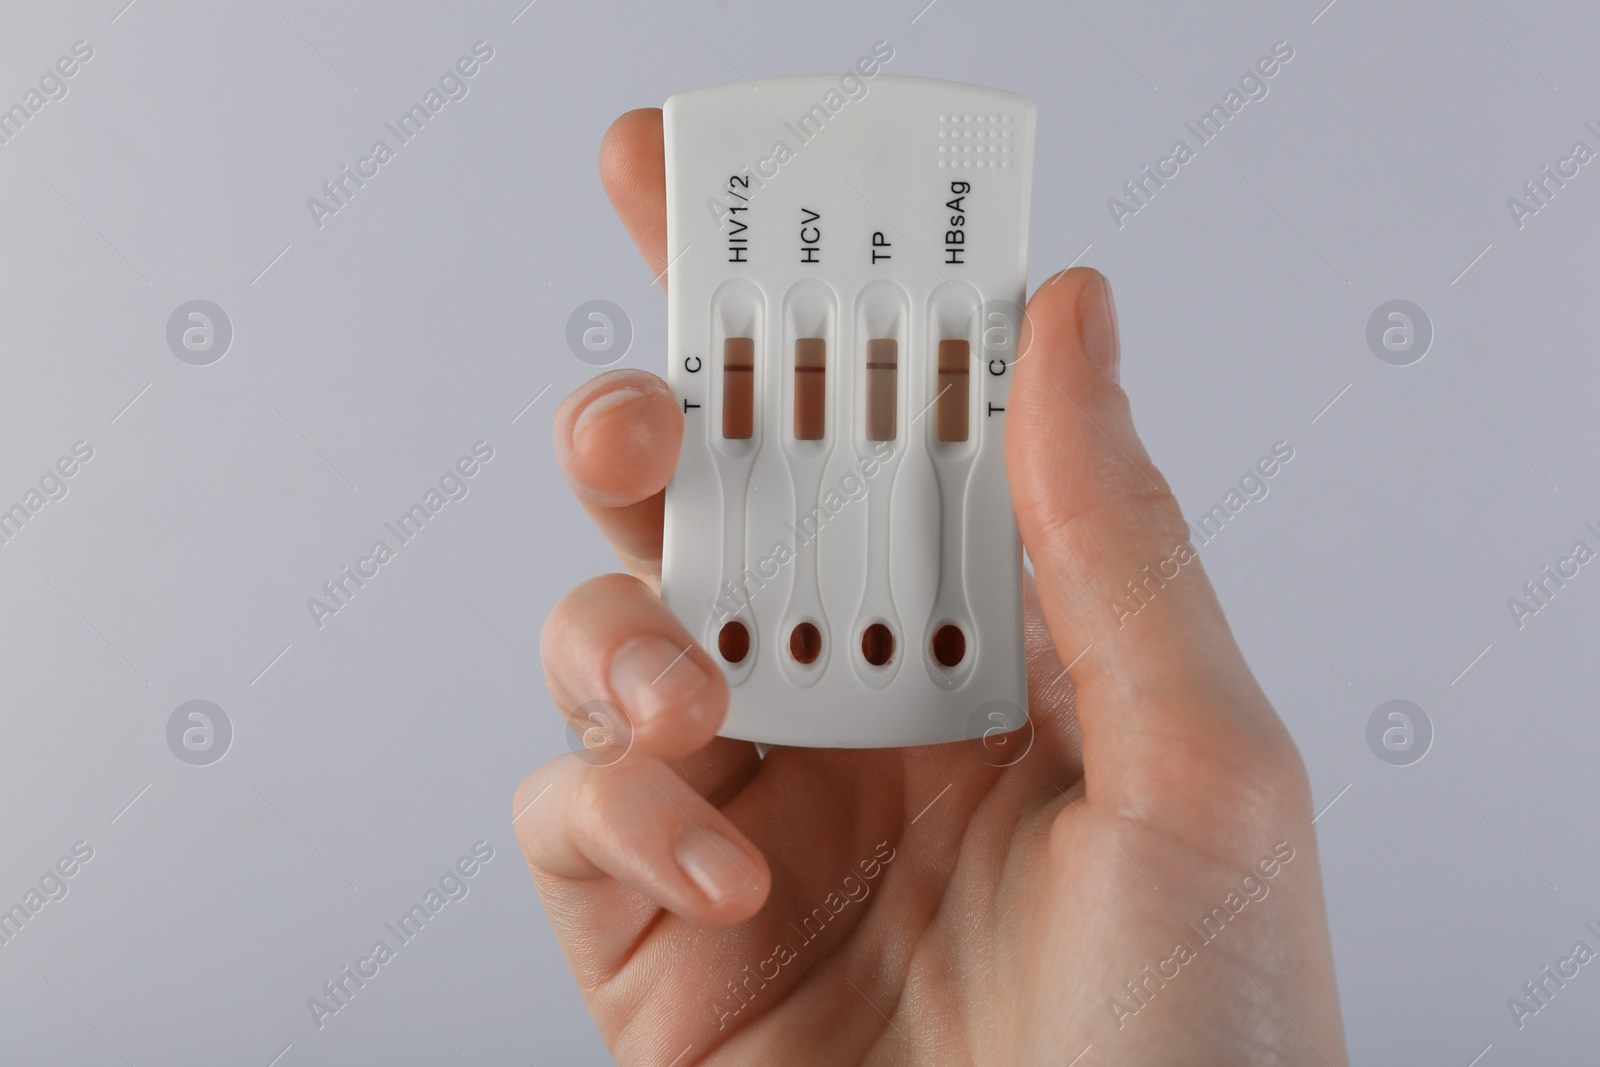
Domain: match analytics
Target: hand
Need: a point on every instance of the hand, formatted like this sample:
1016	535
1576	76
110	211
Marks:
1143	884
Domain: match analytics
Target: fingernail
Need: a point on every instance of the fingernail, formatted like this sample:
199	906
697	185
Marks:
653	676
604	402
710	860
1097	325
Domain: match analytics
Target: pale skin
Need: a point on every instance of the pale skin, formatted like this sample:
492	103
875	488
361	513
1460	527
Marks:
1161	786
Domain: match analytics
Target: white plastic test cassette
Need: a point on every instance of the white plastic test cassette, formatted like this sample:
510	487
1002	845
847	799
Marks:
847	270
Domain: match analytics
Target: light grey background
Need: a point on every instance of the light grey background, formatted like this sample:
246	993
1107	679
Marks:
427	315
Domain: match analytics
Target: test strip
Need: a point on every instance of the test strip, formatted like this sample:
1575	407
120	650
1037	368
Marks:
951	417
738	388
810	388
829	377
883	374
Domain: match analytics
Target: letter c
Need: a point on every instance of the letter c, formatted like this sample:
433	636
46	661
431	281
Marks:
1002	364
692	364
360	167
362	570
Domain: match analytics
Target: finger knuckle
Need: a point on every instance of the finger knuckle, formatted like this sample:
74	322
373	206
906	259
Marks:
569	619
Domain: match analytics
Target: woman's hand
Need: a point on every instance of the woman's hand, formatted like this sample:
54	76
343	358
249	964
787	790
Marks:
1141	888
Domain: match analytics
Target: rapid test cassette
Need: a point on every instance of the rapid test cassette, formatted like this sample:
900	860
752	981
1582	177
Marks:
847	261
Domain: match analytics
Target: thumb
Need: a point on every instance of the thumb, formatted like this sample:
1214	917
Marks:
1162	690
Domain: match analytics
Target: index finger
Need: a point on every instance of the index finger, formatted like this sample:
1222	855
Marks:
633	167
